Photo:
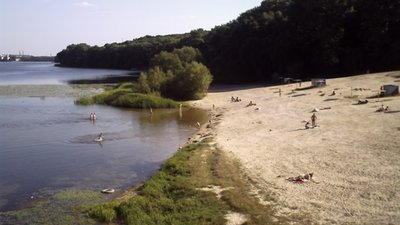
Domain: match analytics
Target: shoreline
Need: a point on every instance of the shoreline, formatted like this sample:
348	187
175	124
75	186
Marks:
352	151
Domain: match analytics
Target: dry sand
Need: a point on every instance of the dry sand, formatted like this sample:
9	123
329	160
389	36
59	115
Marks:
354	152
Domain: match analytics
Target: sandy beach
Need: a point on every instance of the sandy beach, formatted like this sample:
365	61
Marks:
354	152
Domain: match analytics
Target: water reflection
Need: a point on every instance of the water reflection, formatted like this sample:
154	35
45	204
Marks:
168	121
183	116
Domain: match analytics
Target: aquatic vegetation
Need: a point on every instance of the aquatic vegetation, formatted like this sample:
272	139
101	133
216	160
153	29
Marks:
66	207
126	96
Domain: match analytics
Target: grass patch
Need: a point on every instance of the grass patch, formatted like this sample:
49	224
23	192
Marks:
172	195
126	96
65	207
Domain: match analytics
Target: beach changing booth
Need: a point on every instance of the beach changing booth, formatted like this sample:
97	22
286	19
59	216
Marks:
318	82
389	89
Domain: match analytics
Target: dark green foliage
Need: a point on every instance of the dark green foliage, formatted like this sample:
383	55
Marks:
129	54
61	207
177	75
103	212
135	100
306	38
295	38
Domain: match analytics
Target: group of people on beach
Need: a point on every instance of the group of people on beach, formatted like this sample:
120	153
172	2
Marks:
237	99
383	109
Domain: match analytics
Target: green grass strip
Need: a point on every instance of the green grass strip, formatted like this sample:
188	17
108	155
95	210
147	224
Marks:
126	96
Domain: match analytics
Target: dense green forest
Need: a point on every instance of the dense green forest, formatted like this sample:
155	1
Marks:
129	54
295	38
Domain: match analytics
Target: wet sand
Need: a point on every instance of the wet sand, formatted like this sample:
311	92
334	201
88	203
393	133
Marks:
353	152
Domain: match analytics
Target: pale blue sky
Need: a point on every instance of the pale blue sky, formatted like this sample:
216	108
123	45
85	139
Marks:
44	27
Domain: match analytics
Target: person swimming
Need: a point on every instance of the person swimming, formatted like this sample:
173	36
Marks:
99	138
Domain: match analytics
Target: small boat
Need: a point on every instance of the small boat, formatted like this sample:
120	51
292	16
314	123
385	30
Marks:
108	191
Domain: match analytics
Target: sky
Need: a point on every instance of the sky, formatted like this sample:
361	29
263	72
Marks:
45	27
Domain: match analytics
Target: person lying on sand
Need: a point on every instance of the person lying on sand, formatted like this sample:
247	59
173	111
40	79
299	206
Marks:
380	109
301	178
360	102
250	104
383	109
386	109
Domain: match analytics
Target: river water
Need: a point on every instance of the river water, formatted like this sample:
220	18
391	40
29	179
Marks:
47	142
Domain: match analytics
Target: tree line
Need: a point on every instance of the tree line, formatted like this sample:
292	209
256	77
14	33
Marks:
136	53
296	38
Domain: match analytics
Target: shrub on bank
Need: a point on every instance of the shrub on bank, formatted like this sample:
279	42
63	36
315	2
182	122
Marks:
125	96
177	75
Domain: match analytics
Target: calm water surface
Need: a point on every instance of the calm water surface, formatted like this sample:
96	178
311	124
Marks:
17	73
48	142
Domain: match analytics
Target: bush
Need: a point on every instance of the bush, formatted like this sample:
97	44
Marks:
125	96
177	75
191	83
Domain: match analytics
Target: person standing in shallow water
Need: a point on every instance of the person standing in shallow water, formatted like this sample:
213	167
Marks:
313	120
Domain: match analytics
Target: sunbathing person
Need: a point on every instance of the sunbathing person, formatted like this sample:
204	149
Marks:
386	109
301	178
251	103
381	109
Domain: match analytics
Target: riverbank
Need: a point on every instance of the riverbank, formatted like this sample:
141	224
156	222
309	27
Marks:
353	151
200	184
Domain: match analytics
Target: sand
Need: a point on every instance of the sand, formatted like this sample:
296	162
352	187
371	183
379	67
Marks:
354	152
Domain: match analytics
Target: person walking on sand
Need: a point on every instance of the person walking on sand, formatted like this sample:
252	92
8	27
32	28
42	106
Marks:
313	120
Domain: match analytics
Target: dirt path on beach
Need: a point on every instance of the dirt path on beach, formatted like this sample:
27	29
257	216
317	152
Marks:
354	152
